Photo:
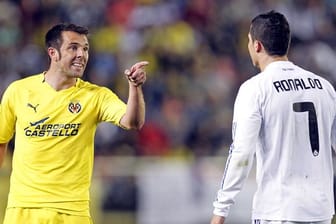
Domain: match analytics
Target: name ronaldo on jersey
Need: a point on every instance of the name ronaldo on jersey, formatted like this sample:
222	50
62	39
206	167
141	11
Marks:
297	84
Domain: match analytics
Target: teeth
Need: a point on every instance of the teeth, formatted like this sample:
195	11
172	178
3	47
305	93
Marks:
78	65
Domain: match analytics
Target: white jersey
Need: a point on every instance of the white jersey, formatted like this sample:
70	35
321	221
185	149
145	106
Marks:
285	117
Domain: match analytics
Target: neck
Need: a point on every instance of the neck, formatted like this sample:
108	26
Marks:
266	60
59	82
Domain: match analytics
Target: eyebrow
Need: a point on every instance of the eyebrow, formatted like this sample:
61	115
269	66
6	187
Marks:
76	43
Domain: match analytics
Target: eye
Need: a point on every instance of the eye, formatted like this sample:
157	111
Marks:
74	47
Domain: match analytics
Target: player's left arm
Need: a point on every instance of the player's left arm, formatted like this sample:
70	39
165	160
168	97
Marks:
134	117
3	150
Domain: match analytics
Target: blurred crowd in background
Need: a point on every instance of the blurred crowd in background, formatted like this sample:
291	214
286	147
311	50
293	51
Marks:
198	57
197	50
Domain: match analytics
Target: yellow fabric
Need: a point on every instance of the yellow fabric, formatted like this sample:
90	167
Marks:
54	133
42	216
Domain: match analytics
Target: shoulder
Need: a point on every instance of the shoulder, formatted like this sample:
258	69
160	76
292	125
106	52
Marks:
27	82
94	88
328	86
324	82
249	90
252	84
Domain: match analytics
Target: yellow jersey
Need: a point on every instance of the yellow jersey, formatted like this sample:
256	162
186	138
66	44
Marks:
54	141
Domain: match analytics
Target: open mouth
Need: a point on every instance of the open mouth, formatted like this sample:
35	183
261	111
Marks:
78	65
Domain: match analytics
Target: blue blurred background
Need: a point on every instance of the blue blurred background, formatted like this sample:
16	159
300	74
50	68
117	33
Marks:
169	171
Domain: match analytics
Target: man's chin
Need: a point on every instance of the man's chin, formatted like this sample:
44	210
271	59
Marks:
77	74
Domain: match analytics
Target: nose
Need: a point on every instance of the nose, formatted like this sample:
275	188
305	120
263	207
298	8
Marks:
80	52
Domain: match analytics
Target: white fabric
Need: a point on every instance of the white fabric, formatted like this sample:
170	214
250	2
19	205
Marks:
271	123
288	222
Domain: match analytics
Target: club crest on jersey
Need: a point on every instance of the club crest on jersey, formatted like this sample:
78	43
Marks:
74	108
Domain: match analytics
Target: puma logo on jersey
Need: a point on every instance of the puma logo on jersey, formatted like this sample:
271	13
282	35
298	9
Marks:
74	107
33	107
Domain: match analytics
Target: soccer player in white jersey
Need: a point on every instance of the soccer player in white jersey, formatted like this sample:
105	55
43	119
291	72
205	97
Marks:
284	118
54	116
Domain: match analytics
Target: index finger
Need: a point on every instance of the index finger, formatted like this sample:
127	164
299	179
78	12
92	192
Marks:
138	65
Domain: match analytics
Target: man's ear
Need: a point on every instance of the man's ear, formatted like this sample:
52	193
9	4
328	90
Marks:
53	54
258	46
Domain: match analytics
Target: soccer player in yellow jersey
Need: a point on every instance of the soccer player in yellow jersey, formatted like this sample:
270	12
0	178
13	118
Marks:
54	116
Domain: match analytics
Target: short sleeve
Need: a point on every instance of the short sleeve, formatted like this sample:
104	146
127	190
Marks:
7	115
112	108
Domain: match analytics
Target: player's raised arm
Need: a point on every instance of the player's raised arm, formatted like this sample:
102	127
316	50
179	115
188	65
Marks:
134	117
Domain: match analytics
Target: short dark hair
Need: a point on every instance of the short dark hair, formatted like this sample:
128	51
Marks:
272	30
53	37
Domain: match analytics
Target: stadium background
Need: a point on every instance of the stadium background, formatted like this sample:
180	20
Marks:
169	171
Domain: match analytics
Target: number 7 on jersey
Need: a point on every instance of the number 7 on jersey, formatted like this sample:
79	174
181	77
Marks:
312	121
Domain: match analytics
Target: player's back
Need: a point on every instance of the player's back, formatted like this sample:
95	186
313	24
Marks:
294	163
